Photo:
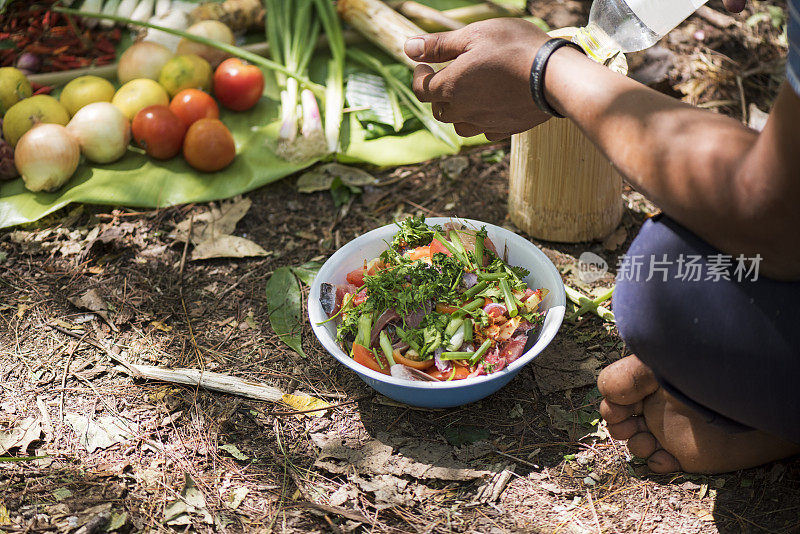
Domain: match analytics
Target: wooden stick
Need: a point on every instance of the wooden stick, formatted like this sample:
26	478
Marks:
213	381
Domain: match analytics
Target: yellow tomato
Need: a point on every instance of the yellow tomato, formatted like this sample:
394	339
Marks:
188	71
137	95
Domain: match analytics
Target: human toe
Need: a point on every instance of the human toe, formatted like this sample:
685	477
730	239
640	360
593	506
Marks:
626	381
662	462
616	413
627	428
643	444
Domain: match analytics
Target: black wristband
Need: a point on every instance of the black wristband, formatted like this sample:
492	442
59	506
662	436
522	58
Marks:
538	69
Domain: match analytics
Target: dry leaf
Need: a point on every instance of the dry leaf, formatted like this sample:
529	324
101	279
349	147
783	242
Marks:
227	246
321	178
100	433
305	402
703	514
92	301
158	325
190	503
5	518
214	222
429	460
20	436
236	497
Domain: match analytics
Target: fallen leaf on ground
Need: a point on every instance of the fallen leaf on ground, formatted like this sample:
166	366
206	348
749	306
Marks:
20	436
429	460
321	178
234	451
5	518
235	498
306	402
212	223
306	272
461	435
62	493
564	365
227	246
283	307
190	503
344	493
92	301
100	433
454	167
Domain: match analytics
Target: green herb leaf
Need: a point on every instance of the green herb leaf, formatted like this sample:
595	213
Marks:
283	307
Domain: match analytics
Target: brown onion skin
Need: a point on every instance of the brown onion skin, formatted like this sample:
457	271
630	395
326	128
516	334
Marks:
46	157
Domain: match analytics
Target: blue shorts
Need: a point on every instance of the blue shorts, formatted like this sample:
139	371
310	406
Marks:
719	336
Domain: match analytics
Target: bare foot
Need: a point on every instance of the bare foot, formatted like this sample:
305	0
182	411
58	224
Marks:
671	436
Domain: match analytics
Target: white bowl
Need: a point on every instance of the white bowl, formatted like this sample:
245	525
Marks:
519	252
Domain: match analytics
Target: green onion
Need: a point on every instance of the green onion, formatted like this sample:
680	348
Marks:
452	375
511	301
407	338
467	326
456	355
492	276
474	305
364	330
452	249
454	324
474	290
480	352
386	346
479	250
334	85
378	359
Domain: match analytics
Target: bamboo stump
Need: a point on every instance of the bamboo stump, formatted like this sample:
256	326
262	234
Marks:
561	187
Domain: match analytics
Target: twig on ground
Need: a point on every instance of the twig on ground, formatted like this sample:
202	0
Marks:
64	376
510	457
594	511
354	516
423	208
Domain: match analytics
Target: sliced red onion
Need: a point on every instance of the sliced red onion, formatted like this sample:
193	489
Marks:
495	309
441	365
401	346
385	318
513	349
469	280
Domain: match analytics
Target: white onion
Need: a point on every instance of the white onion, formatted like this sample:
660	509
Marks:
102	131
142	60
211	29
46	157
175	19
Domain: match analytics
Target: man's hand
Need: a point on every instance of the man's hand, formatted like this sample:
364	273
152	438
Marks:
485	89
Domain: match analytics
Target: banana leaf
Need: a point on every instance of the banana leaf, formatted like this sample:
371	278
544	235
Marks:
139	181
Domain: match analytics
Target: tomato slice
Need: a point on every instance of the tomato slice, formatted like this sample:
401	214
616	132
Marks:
461	373
366	357
399	358
361	297
356	277
419	253
445	308
437	247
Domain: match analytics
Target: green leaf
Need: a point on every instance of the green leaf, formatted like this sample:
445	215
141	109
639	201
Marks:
306	272
283	307
461	435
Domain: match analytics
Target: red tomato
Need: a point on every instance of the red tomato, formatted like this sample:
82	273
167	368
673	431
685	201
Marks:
238	85
461	372
419	253
356	277
361	297
159	131
209	145
437	246
191	105
366	357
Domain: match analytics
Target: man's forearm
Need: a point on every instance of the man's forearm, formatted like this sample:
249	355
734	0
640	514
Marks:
700	167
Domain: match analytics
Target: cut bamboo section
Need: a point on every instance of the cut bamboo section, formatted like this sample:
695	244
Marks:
381	25
561	188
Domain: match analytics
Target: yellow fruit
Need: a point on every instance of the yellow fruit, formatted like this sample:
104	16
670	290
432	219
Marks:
143	60
27	113
85	90
188	71
14	86
138	94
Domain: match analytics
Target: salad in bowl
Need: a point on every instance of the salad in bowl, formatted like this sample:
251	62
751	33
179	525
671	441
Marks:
439	300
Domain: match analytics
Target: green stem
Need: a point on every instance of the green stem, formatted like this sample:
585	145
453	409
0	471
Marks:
590	305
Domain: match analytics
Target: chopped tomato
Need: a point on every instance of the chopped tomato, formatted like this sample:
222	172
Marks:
356	277
461	372
419	253
528	294
436	246
367	358
445	308
360	297
399	358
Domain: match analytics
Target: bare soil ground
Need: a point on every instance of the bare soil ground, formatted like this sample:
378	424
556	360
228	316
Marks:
530	458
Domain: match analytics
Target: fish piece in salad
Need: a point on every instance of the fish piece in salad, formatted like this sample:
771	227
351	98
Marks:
440	300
